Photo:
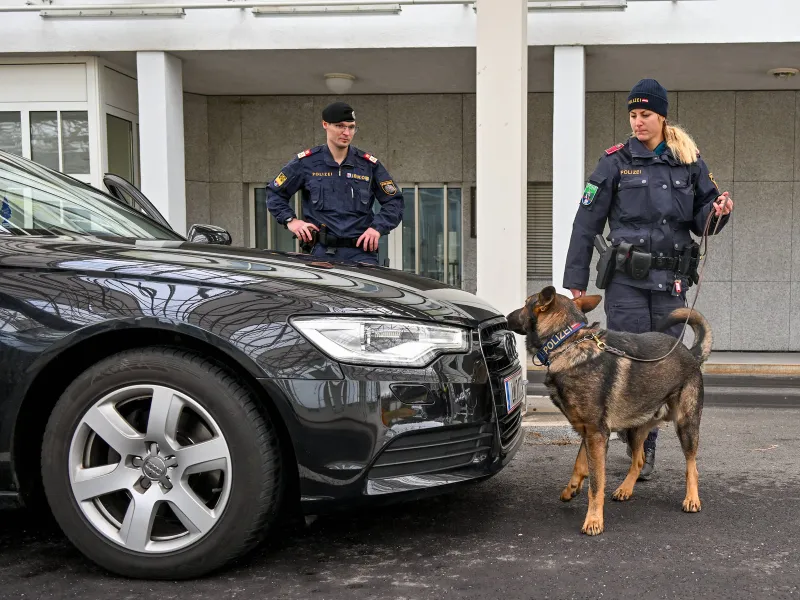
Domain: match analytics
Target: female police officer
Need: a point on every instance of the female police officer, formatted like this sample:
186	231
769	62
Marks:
655	191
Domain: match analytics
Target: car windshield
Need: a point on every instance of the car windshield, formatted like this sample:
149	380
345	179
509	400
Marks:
37	201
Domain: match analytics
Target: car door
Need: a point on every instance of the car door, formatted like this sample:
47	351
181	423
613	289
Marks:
125	191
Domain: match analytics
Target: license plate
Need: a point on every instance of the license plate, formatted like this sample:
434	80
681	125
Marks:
515	390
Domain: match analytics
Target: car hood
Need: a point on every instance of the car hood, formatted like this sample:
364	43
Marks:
337	287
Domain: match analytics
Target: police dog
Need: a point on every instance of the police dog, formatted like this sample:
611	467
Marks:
600	391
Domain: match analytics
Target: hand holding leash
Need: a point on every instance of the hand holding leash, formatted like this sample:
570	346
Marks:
723	205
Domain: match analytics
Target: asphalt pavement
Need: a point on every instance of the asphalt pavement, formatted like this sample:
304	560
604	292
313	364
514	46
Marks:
509	537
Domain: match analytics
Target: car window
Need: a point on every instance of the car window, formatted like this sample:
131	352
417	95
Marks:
35	200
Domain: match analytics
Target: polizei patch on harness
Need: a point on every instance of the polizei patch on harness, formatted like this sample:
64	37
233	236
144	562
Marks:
555	341
589	192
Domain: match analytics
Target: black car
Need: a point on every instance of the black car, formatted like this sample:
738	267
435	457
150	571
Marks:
170	399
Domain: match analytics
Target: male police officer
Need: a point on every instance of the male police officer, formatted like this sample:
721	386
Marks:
339	185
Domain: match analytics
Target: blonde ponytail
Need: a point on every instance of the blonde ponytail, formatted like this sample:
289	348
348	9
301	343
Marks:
681	143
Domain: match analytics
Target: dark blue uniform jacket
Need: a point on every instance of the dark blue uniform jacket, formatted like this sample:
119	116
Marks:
341	197
651	201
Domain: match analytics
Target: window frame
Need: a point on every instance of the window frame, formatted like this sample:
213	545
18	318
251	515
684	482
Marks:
395	238
398	232
26	108
251	209
134	121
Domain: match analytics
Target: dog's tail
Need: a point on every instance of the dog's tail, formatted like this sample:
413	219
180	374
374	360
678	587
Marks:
701	348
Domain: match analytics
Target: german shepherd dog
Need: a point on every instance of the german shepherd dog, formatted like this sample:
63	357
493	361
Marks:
600	391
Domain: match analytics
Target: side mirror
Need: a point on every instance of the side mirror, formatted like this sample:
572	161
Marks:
209	234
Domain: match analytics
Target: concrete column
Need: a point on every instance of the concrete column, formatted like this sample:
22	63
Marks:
502	135
163	171
569	134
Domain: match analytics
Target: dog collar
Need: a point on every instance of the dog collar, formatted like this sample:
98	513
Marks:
555	341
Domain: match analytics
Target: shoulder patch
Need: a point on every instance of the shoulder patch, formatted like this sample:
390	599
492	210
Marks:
589	192
304	153
389	187
370	158
615	148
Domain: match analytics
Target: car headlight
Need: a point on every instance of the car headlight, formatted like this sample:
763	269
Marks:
365	341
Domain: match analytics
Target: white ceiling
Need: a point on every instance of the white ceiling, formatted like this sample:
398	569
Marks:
452	70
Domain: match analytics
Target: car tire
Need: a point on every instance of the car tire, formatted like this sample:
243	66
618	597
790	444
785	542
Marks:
240	438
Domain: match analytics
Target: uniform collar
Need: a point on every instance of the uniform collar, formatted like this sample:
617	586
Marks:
639	150
349	160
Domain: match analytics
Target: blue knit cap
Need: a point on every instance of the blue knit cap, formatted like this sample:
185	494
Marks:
649	94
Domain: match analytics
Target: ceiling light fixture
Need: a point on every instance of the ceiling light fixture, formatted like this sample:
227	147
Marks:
339	83
556	5
343	9
115	12
783	72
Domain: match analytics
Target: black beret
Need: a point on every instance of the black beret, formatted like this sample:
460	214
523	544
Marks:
338	112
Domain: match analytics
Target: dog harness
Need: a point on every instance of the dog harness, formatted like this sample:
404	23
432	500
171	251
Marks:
556	341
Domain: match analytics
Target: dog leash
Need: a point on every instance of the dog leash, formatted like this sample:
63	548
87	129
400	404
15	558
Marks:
611	350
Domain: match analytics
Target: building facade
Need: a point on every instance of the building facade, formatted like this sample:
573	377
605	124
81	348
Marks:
490	114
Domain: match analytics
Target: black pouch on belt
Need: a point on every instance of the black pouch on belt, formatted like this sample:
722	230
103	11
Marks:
639	264
623	256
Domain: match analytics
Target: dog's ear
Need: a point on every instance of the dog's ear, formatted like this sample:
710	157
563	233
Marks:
587	303
545	298
516	322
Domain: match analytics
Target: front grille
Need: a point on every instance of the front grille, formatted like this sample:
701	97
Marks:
510	426
499	349
489	330
433	451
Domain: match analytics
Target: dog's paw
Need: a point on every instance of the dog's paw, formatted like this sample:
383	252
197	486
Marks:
569	493
623	493
592	525
691	505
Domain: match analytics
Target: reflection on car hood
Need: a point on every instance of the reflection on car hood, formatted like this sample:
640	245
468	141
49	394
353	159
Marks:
339	287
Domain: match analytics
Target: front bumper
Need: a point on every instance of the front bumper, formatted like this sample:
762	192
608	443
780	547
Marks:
381	434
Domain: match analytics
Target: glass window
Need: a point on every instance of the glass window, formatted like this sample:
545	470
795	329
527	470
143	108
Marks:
383	242
119	134
38	201
438	250
11	132
268	233
431	233
75	142
138	159
44	139
454	236
409	230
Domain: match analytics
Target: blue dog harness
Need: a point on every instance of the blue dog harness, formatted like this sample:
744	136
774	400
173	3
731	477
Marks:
556	341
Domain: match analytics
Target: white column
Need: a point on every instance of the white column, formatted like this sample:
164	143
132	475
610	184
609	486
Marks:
502	135
569	130
160	81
